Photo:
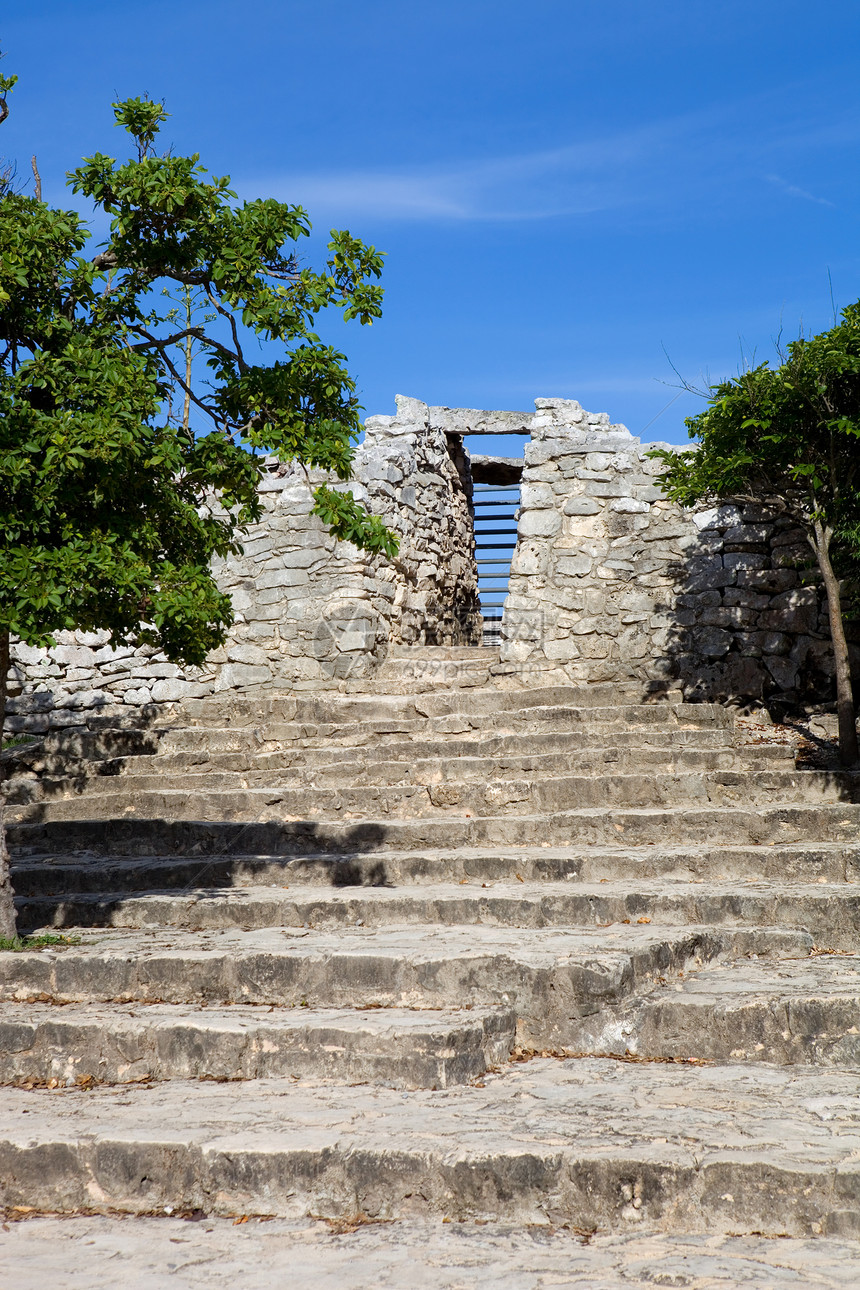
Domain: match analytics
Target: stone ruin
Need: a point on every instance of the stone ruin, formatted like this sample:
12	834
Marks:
609	582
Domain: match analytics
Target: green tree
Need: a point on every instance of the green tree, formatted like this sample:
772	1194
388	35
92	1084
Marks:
121	475
791	433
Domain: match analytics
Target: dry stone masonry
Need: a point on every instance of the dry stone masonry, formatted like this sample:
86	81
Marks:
310	611
610	582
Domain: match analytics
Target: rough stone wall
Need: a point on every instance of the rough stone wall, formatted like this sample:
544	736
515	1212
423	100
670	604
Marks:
612	582
310	611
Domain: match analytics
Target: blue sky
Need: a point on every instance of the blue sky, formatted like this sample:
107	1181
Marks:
567	191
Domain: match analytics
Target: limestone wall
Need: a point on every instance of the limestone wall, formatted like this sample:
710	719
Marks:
612	582
310	611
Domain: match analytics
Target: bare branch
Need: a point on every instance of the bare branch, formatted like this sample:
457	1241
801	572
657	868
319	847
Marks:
685	384
152	342
227	313
4	110
37	178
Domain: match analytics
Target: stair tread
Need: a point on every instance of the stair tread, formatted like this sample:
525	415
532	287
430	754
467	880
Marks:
703	1145
239	1016
45	1249
721	1108
747	983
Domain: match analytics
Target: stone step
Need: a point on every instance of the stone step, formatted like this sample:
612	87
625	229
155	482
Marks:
230	795
550	978
47	876
420	738
329	766
397	1048
579	707
790	1012
236	747
142	1251
606	703
413	675
80	753
170	823
586	1144
830	913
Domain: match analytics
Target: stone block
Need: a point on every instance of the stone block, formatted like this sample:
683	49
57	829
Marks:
236	675
244	652
782	670
748	534
539	524
564	649
536	496
137	698
609	489
581	506
744	560
170	691
574	566
629	506
712	642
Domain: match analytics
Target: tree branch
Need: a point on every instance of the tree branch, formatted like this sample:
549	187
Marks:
226	313
152	342
37	178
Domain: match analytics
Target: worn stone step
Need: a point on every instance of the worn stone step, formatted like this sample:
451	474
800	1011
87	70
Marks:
168	823
142	1251
460	737
242	770
230	795
402	763
472	785
427	671
409	764
588	1144
548	978
57	876
398	1048
830	913
577	707
341	707
795	1011
299	746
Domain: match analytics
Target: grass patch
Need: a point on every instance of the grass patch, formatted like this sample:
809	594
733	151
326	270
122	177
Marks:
16	741
46	941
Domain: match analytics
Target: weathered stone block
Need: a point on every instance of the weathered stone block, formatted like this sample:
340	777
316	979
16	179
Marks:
539	524
574	566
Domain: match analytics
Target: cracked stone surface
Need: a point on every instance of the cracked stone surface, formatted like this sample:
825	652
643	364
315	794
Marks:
589	1142
96	1253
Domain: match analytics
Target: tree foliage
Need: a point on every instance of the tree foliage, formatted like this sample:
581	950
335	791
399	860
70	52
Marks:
791	433
112	502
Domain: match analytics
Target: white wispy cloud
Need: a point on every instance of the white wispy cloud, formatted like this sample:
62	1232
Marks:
665	164
794	191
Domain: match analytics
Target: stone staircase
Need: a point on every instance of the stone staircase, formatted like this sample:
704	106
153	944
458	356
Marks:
474	953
